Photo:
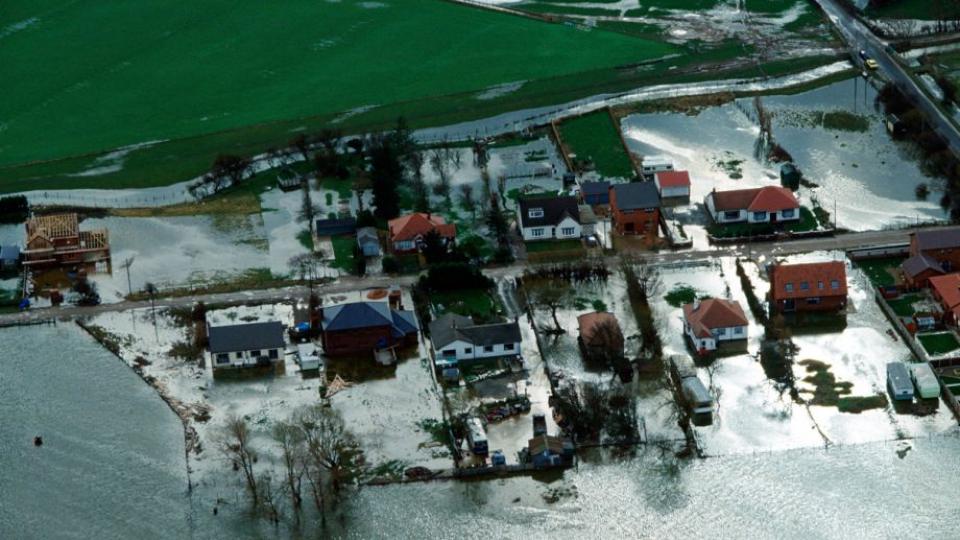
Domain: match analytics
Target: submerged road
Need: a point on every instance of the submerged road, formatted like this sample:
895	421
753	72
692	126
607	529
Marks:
762	250
859	37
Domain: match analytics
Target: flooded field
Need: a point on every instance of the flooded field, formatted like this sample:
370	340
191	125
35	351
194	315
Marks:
864	178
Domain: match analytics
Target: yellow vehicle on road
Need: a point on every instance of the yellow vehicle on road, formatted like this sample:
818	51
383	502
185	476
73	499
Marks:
871	63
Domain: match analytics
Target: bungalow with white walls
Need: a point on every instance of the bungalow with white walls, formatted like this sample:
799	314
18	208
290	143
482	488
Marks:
549	218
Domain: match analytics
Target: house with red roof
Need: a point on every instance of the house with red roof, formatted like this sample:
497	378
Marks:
711	321
946	290
407	232
673	184
819	286
771	204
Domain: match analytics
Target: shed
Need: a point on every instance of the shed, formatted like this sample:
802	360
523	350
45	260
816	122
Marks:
594	193
898	381
790	176
698	400
335	227
9	256
925	380
369	241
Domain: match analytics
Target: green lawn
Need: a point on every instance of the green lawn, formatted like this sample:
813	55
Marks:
880	271
481	304
595	137
343	253
546	246
939	343
71	89
903	306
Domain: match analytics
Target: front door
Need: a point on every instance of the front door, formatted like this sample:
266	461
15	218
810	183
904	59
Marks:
789	304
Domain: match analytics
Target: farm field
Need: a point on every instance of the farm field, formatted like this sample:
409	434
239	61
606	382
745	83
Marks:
182	91
175	73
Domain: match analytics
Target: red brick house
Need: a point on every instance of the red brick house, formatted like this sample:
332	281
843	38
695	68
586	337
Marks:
918	269
407	232
635	208
56	240
941	245
364	327
946	290
818	286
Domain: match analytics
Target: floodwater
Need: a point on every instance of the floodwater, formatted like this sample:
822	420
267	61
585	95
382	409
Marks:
112	467
865	179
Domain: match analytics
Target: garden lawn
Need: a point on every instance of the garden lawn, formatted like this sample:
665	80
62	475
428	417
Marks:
343	253
481	304
903	306
546	246
71	89
879	271
939	343
596	137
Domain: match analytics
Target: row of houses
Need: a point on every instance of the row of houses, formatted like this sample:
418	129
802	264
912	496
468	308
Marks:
405	234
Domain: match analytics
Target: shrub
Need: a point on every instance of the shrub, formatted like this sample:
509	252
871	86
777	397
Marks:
390	265
14	209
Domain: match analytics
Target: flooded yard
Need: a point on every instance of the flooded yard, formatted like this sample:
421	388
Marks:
856	171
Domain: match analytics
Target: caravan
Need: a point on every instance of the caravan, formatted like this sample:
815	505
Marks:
477	437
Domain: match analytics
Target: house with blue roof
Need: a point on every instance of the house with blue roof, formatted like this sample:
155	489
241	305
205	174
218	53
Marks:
366	327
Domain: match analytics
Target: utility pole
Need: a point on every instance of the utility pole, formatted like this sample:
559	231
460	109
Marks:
126	264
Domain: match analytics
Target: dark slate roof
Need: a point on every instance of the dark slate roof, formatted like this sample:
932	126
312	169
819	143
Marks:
555	209
636	196
9	253
917	264
594	188
938	238
358	315
246	337
331	227
452	327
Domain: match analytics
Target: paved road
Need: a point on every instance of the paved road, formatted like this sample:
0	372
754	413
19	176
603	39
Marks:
858	37
347	284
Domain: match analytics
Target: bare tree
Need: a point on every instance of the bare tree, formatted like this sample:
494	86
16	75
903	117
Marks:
306	266
293	455
235	445
308	210
228	170
467	200
438	162
550	295
330	448
302	145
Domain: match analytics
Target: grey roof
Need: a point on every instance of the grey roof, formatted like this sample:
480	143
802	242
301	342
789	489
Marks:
358	315
938	238
246	337
555	209
918	263
332	227
9	253
453	327
368	234
636	196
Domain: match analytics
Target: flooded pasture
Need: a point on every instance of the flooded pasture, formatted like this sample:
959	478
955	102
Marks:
863	178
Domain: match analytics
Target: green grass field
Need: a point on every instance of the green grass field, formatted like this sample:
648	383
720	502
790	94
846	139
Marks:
881	271
939	343
71	89
595	137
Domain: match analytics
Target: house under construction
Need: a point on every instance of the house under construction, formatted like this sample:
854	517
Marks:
56	240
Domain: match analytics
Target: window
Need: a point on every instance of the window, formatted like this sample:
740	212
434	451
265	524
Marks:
649	210
834	284
567	231
536	233
787	213
488	348
223	358
732	215
449	352
508	346
759	216
273	354
468	350
738	330
239	355
789	287
804	286
820	285
813	301
534	213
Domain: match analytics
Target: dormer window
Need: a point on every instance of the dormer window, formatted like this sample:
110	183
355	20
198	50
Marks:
535	213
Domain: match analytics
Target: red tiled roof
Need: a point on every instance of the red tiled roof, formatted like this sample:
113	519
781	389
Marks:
769	199
673	179
713	313
948	289
808	280
410	226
